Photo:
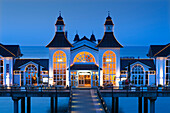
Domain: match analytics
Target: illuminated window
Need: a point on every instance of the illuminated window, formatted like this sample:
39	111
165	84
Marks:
137	74
95	78
31	74
168	71
84	57
73	78
59	68
1	70
109	68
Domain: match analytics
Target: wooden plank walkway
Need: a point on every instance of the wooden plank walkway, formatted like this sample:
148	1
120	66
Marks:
86	101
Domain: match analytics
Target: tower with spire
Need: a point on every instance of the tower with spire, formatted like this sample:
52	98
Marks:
110	43
59	43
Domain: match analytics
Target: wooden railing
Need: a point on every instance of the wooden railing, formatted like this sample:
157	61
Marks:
31	88
137	88
102	101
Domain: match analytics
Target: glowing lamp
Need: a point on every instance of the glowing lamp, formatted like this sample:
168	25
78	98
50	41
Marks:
60	60
108	60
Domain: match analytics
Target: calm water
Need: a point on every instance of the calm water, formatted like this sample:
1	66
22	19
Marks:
42	105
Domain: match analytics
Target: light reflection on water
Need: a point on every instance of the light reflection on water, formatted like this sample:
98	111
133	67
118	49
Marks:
42	105
38	105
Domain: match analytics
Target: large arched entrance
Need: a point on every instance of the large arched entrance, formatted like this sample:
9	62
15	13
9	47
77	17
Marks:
84	71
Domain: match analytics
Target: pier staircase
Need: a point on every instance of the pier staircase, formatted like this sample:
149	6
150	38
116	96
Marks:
86	101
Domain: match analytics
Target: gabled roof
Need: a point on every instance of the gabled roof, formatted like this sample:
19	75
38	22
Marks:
59	40
125	62
96	49
109	40
43	62
159	50
84	38
10	50
84	67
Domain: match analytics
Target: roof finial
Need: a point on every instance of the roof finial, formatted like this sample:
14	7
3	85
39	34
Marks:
76	32
59	13
108	13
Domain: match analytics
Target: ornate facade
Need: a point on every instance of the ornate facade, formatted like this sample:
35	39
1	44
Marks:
84	63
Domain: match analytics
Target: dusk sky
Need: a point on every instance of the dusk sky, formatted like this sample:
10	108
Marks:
137	22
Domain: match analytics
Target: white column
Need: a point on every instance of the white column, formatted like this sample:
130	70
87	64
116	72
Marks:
50	68
4	72
117	68
11	71
24	78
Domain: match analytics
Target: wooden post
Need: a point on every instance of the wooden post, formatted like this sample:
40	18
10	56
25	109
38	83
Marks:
117	105
56	102
23	105
152	105
145	105
15	99
139	104
28	104
113	104
52	104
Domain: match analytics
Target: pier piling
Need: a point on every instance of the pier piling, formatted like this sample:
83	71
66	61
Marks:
56	102
145	105
139	104
15	99
117	105
28	104
52	104
152	105
23	105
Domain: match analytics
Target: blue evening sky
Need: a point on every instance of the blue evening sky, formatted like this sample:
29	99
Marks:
137	22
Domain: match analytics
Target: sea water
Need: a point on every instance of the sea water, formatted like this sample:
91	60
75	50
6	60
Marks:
42	104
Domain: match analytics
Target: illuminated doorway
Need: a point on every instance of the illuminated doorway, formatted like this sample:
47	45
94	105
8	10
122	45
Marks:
84	79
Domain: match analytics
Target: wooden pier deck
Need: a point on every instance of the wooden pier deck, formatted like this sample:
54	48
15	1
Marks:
86	101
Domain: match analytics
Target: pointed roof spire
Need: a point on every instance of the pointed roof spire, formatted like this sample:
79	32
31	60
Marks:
108	20
60	39
92	38
108	13
76	38
59	13
109	39
60	20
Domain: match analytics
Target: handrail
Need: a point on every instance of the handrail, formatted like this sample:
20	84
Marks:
102	101
70	100
28	89
140	89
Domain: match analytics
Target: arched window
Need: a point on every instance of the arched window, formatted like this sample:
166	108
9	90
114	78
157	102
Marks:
168	71
31	74
1	70
84	57
109	68
137	74
59	68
